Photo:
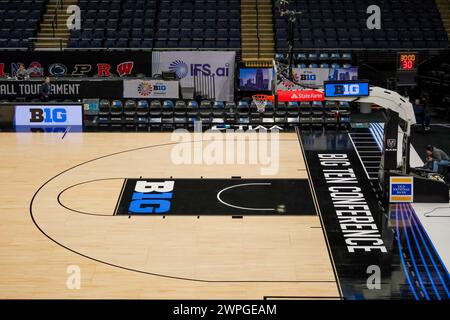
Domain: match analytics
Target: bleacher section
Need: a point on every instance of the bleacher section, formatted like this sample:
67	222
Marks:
342	24
169	114
115	24
19	21
211	24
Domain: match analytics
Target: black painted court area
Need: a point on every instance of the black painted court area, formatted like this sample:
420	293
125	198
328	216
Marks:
236	197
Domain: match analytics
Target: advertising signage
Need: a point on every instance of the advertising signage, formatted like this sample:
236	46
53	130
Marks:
76	64
48	115
335	89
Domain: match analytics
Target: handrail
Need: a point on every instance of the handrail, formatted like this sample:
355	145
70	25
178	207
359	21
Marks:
59	6
257	28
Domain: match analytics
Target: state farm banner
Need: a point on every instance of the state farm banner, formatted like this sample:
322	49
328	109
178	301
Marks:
142	88
300	95
218	66
315	77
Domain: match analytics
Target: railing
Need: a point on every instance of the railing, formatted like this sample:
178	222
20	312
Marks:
257	28
59	6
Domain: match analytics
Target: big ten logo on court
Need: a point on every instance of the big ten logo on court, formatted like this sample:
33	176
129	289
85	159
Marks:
152	197
73	281
47	115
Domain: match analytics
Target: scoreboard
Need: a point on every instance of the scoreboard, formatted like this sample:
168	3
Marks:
407	61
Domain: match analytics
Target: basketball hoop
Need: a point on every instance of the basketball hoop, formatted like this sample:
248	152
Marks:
261	101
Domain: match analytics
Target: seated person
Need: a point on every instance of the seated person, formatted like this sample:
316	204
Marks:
436	159
22	73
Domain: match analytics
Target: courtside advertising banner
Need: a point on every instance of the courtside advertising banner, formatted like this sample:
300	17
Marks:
217	66
150	89
300	95
312	77
48	115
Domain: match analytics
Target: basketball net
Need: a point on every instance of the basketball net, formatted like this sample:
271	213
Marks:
261	101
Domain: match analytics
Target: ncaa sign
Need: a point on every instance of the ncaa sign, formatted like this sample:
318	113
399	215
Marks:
346	89
48	115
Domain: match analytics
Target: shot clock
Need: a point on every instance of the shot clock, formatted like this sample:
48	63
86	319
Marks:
407	61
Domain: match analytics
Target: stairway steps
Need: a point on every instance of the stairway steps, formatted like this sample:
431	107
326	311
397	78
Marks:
257	33
46	37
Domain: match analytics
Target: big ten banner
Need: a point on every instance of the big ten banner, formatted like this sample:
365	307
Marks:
315	77
62	64
151	89
48	115
188	65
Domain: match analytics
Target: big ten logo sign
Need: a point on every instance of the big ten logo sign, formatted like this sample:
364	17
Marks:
160	86
48	115
346	89
152	197
308	77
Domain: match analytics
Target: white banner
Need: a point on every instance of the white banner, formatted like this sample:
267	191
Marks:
48	115
218	66
151	89
315	77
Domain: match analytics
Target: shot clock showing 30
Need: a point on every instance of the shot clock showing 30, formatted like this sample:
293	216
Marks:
407	61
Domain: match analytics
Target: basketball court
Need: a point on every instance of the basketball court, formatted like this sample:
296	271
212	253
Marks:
58	203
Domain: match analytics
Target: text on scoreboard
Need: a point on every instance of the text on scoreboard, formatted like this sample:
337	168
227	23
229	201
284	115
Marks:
346	89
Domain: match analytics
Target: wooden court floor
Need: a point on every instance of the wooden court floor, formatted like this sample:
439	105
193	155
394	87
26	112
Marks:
178	257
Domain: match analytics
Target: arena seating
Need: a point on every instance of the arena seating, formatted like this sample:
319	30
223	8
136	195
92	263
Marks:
342	24
19	21
199	24
319	60
211	24
115	24
168	114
